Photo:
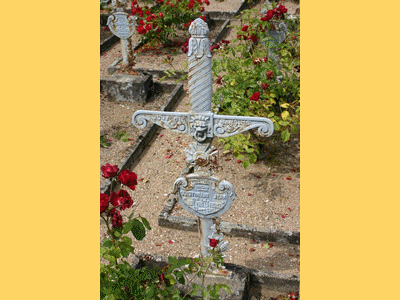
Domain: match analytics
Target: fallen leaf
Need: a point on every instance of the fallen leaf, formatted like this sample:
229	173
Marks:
288	178
141	179
258	176
294	170
290	254
270	245
283	216
273	174
249	194
158	245
239	161
252	249
170	242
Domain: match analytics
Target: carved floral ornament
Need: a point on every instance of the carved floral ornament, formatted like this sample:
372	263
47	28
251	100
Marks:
201	126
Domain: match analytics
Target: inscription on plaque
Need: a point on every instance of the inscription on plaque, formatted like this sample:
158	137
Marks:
205	196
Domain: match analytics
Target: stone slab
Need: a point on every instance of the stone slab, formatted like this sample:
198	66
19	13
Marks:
229	14
148	134
128	88
265	234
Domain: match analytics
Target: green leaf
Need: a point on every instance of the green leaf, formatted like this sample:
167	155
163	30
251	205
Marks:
285	114
253	158
127	240
170	278
294	128
245	164
130	217
109	297
172	260
117	234
138	230
285	135
127	227
145	222
107	243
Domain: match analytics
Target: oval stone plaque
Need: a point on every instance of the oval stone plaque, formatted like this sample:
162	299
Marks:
204	196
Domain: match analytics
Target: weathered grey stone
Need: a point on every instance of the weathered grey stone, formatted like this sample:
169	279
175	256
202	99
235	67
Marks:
128	88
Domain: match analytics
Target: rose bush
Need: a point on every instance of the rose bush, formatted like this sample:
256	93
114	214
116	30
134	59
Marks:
118	280
253	84
160	22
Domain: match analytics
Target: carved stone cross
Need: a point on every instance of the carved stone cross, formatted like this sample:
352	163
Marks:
199	191
123	26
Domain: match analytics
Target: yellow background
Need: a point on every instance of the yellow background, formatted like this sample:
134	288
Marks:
50	150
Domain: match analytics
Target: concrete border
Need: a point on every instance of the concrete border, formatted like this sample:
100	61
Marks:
114	67
147	135
271	280
190	224
229	14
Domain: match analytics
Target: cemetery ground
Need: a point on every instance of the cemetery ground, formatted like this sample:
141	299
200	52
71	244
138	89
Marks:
268	192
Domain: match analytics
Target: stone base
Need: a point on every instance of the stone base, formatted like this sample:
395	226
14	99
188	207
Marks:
128	88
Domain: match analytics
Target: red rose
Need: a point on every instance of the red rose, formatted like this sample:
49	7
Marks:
275	10
140	22
269	15
216	46
103	202
282	9
109	170
117	220
270	245
213	242
270	74
190	5
265	86
207	2
148	27
134	2
158	30
148	19
203	18
186	25
253	38
265	59
225	42
219	80
202	9
161	15
147	12
106	28
244	28
255	96
128	178
121	199
141	30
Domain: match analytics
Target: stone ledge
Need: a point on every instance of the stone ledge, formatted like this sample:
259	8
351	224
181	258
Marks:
229	14
230	229
147	135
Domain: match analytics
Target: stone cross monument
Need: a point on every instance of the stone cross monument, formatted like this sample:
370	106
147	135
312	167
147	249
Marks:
199	191
123	26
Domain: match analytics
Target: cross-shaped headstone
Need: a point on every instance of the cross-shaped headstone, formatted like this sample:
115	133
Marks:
200	192
123	26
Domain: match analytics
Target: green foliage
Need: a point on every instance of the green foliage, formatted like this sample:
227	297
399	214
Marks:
254	84
118	280
104	141
121	135
243	148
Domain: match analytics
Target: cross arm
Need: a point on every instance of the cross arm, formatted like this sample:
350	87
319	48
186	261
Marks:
173	121
225	126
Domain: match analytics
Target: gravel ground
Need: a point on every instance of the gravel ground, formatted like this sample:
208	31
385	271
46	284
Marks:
266	197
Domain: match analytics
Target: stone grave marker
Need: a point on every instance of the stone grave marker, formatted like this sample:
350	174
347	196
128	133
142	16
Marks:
123	26
200	192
